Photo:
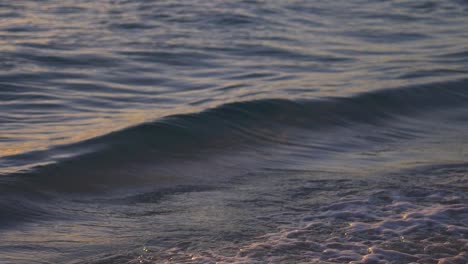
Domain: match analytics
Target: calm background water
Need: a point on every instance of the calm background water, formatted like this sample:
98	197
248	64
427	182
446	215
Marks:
233	131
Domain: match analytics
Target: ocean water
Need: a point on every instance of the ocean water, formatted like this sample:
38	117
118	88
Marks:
170	131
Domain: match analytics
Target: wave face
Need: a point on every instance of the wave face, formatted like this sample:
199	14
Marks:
145	153
233	131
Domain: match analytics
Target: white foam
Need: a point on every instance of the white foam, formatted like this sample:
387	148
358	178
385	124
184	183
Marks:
411	224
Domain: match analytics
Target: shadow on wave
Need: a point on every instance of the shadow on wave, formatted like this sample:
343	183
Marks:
168	151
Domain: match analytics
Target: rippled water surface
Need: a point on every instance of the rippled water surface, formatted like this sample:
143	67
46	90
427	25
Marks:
233	131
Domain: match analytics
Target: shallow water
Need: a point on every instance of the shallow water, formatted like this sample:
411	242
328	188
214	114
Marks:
222	132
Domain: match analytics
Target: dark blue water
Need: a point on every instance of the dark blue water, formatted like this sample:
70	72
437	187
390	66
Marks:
233	131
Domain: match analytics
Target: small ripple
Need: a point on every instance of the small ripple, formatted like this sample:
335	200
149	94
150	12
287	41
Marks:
432	73
380	36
